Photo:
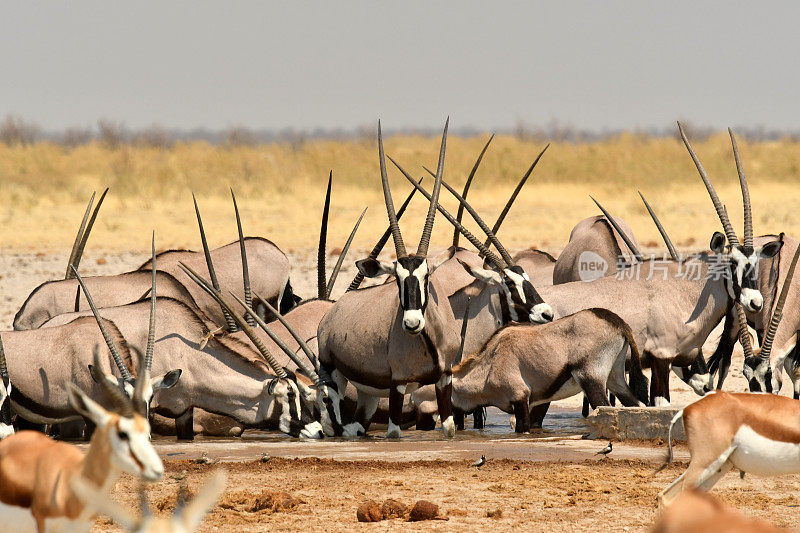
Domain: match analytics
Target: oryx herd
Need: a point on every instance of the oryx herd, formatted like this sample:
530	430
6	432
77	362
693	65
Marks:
220	333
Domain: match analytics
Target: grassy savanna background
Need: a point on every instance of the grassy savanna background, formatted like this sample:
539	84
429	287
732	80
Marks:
280	188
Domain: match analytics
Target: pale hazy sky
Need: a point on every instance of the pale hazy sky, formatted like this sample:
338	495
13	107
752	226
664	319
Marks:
343	64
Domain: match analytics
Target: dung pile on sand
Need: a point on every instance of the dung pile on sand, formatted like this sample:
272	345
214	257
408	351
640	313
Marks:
370	511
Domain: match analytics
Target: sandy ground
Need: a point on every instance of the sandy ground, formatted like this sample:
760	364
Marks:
548	481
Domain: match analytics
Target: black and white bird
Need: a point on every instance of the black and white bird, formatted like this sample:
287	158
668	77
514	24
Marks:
607	450
480	462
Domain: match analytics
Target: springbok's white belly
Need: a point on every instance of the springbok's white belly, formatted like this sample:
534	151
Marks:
757	454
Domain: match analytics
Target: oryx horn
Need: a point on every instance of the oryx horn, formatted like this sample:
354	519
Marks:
210	265
322	286
248	294
490	256
146	362
115	393
460	212
504	212
723	216
777	314
628	242
376	250
481	224
744	334
123	370
83	234
748	213
302	365
399	245
242	323
672	252
338	266
424	241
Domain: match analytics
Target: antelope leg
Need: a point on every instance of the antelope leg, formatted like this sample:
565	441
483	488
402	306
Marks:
184	425
538	412
659	382
709	477
478	418
670	492
458	418
395	410
365	409
523	420
444	388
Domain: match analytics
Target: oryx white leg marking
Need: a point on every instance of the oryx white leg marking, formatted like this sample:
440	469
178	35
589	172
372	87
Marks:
660	401
449	427
394	430
444	381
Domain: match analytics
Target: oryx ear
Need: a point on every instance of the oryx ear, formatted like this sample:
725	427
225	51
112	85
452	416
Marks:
271	387
487	276
372	268
770	249
717	243
87	407
167	381
432	268
306	392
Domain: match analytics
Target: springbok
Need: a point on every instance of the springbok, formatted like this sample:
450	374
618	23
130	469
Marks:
185	518
407	339
522	366
36	471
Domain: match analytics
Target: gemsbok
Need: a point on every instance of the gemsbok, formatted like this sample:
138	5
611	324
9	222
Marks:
408	338
36	472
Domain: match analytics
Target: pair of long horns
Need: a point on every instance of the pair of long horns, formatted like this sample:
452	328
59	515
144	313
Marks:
400	248
324	287
146	360
486	252
628	241
251	333
720	209
774	321
83	234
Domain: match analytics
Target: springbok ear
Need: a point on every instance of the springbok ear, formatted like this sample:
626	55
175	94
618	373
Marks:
372	268
717	243
86	406
770	249
167	381
487	276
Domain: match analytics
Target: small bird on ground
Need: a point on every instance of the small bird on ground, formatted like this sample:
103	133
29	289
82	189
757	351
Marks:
180	476
607	450
480	462
265	457
205	460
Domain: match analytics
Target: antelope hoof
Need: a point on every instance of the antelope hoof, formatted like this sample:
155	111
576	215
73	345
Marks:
354	429
394	431
449	427
660	401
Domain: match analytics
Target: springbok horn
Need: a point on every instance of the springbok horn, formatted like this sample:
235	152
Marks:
302	365
322	291
672	252
338	266
460	212
748	213
248	294
85	237
424	241
634	250
78	238
769	337
304	345
481	224
723	217
502	217
123	370
117	396
464	330
144	505
242	323
399	246
211	273
744	334
376	250
490	256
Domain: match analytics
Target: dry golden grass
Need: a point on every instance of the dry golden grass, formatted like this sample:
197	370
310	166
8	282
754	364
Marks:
281	188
